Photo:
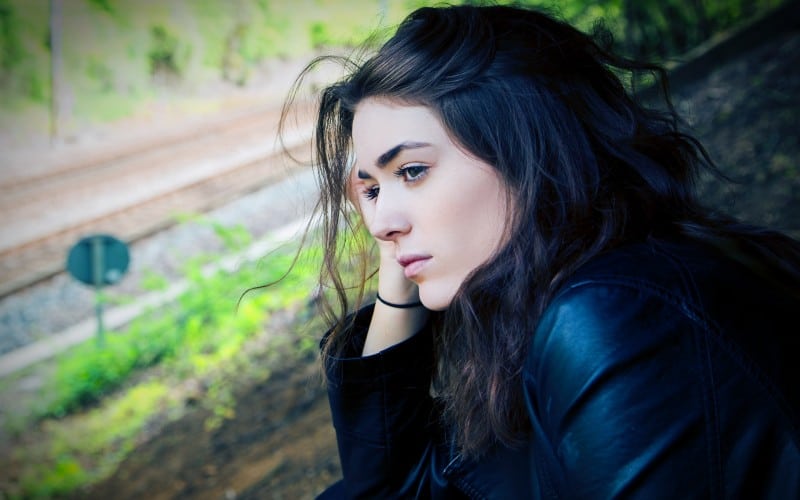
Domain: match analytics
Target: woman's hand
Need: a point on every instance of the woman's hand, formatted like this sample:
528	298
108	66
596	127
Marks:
393	285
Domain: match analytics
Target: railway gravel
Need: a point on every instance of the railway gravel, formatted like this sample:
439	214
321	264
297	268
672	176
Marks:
49	307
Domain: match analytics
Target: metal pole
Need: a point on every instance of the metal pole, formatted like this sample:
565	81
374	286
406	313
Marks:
98	258
56	67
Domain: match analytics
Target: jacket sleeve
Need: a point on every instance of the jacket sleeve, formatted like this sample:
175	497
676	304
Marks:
616	384
381	409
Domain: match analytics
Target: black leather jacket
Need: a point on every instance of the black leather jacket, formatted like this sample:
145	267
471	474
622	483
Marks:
658	371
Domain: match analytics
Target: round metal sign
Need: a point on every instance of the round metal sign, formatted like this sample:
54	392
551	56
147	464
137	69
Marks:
98	260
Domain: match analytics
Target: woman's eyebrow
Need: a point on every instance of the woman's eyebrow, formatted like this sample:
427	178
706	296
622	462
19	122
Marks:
389	155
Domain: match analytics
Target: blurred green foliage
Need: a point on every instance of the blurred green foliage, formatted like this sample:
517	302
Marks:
100	397
163	55
123	48
10	50
200	330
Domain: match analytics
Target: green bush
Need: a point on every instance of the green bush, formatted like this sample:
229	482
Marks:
11	52
64	476
198	331
164	54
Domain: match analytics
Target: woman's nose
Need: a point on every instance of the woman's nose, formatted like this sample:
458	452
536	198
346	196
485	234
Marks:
390	221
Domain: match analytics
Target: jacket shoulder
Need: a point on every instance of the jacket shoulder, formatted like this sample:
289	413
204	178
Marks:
687	288
648	349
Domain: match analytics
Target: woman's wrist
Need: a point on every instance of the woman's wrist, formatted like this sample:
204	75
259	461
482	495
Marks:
398	312
391	325
397	305
393	286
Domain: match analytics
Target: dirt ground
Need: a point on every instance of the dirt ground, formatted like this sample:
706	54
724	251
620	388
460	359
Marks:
280	443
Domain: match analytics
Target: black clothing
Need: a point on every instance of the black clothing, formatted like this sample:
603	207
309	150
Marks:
660	370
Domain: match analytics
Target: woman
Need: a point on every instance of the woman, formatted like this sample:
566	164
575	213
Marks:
557	315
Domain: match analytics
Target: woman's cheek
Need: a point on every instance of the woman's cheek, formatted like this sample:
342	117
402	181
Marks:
367	211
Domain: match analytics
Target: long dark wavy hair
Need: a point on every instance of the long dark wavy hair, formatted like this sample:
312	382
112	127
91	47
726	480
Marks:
588	166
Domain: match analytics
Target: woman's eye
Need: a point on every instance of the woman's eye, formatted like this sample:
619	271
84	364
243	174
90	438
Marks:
371	192
411	173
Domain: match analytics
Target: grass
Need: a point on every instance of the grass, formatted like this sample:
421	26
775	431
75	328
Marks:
100	401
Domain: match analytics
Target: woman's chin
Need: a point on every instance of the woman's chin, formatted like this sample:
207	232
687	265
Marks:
435	300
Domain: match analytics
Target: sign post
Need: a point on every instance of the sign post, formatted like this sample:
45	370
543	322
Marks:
98	260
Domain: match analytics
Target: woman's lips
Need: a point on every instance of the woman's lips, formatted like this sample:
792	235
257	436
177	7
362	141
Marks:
413	264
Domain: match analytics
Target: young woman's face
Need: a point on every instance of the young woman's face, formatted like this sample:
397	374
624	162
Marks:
441	210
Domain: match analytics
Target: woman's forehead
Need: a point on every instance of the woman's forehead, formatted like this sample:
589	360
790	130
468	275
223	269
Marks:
382	128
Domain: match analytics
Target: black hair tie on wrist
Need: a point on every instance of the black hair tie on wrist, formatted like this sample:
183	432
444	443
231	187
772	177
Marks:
399	306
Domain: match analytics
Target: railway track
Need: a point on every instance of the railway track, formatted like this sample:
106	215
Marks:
135	191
